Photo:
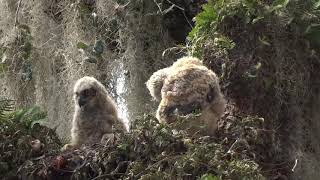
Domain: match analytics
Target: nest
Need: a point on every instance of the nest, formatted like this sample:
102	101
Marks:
153	151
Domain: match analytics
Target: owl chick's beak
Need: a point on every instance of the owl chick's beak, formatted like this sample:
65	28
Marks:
82	101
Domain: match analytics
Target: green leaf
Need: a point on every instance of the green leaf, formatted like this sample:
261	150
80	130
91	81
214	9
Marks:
249	75
209	177
29	116
18	114
27	72
98	48
224	42
2	54
258	66
249	3
81	45
122	147
3	68
37	122
313	34
264	41
316	5
6	106
278	4
90	60
255	20
313	28
3	58
204	19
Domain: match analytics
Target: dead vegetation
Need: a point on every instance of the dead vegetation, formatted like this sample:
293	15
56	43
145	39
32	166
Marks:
153	151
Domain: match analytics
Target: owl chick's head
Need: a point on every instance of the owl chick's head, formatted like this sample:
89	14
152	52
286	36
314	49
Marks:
87	90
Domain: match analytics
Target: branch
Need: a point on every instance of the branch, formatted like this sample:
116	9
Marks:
17	14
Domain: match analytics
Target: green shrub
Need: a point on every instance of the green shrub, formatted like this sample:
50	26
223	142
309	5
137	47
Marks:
18	128
305	13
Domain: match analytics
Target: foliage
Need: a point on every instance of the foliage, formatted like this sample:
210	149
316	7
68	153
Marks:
208	177
206	26
19	53
5	107
24	42
25	39
266	54
18	129
29	116
214	13
93	52
313	33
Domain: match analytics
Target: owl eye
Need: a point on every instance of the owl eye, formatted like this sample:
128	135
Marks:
86	92
89	92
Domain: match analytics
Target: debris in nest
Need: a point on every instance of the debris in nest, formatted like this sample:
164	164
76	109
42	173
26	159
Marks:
22	139
36	147
21	144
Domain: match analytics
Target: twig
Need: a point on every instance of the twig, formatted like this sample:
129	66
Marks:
118	167
17	13
183	12
16	133
170	8
38	158
295	165
172	49
233	144
160	9
157	163
185	16
182	9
